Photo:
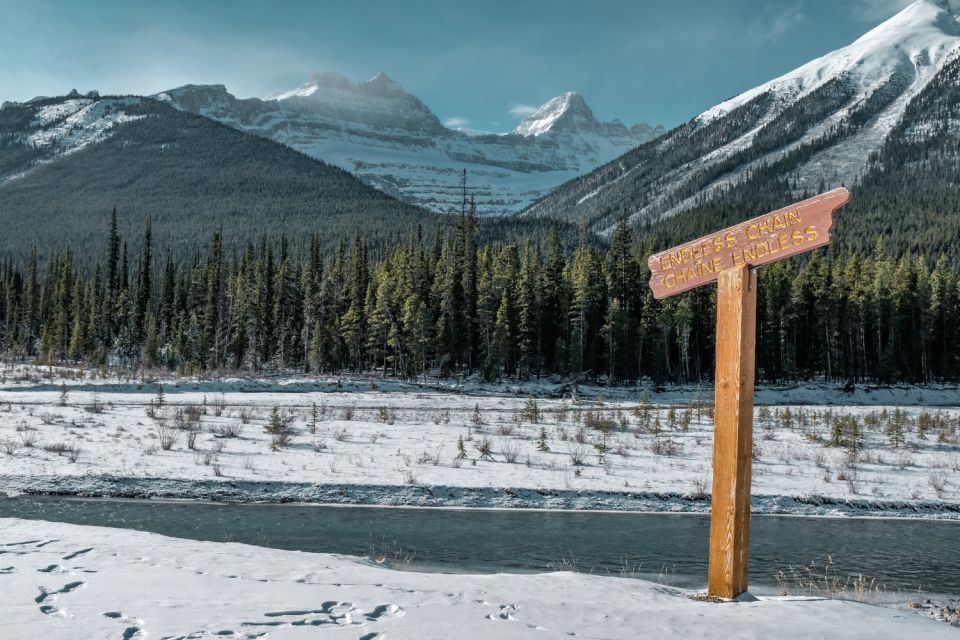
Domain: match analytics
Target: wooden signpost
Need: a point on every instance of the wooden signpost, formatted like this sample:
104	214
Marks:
729	257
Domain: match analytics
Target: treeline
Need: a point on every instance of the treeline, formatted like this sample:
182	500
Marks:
448	306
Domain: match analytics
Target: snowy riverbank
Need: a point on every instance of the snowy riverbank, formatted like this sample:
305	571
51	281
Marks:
68	581
364	442
459	497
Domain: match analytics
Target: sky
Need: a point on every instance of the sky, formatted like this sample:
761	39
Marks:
481	65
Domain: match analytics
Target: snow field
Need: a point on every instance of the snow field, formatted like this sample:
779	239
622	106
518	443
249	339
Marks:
64	581
70	428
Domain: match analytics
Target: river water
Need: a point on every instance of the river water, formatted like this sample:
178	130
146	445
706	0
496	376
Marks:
902	557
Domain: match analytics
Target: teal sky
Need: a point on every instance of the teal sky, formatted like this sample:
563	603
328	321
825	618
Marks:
480	64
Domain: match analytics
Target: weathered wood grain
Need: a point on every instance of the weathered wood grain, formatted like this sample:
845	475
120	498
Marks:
733	437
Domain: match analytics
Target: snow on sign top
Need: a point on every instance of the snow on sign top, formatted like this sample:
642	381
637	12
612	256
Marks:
797	228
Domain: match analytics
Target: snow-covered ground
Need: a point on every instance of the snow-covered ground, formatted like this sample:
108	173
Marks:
68	581
381	442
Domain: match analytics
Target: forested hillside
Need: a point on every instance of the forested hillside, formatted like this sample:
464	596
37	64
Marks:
451	307
878	116
190	175
909	195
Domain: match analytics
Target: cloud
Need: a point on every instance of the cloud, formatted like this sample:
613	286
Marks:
871	10
774	22
522	110
456	122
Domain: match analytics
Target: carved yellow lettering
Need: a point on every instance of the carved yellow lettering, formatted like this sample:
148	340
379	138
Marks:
716	264
670	280
731	240
765	225
778	222
797	237
793	217
753	232
717	243
664	262
811	234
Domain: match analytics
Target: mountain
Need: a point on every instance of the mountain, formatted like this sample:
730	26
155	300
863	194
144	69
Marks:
851	117
66	162
392	141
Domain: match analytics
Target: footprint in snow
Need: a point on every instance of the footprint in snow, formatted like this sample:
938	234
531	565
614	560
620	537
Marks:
506	613
71	556
48	608
330	612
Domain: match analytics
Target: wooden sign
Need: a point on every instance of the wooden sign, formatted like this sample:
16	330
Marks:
728	257
801	227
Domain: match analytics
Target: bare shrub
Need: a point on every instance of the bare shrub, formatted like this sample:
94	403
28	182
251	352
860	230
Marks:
664	447
193	412
700	486
219	405
319	444
28	438
47	417
820	460
249	465
904	460
505	429
280	440
95	405
9	446
387	415
192	438
510	451
168	436
245	414
229	430
348	412
59	448
341	435
938	482
218	470
578	455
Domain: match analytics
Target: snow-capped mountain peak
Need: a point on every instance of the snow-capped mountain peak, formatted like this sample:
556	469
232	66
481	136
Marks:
914	42
549	114
816	125
393	141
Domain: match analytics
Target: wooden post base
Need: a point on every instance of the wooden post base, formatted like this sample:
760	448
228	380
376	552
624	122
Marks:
733	432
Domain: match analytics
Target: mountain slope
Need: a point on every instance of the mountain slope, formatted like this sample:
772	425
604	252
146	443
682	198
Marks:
392	141
66	162
815	127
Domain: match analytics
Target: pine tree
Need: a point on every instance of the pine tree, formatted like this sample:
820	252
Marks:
542	441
